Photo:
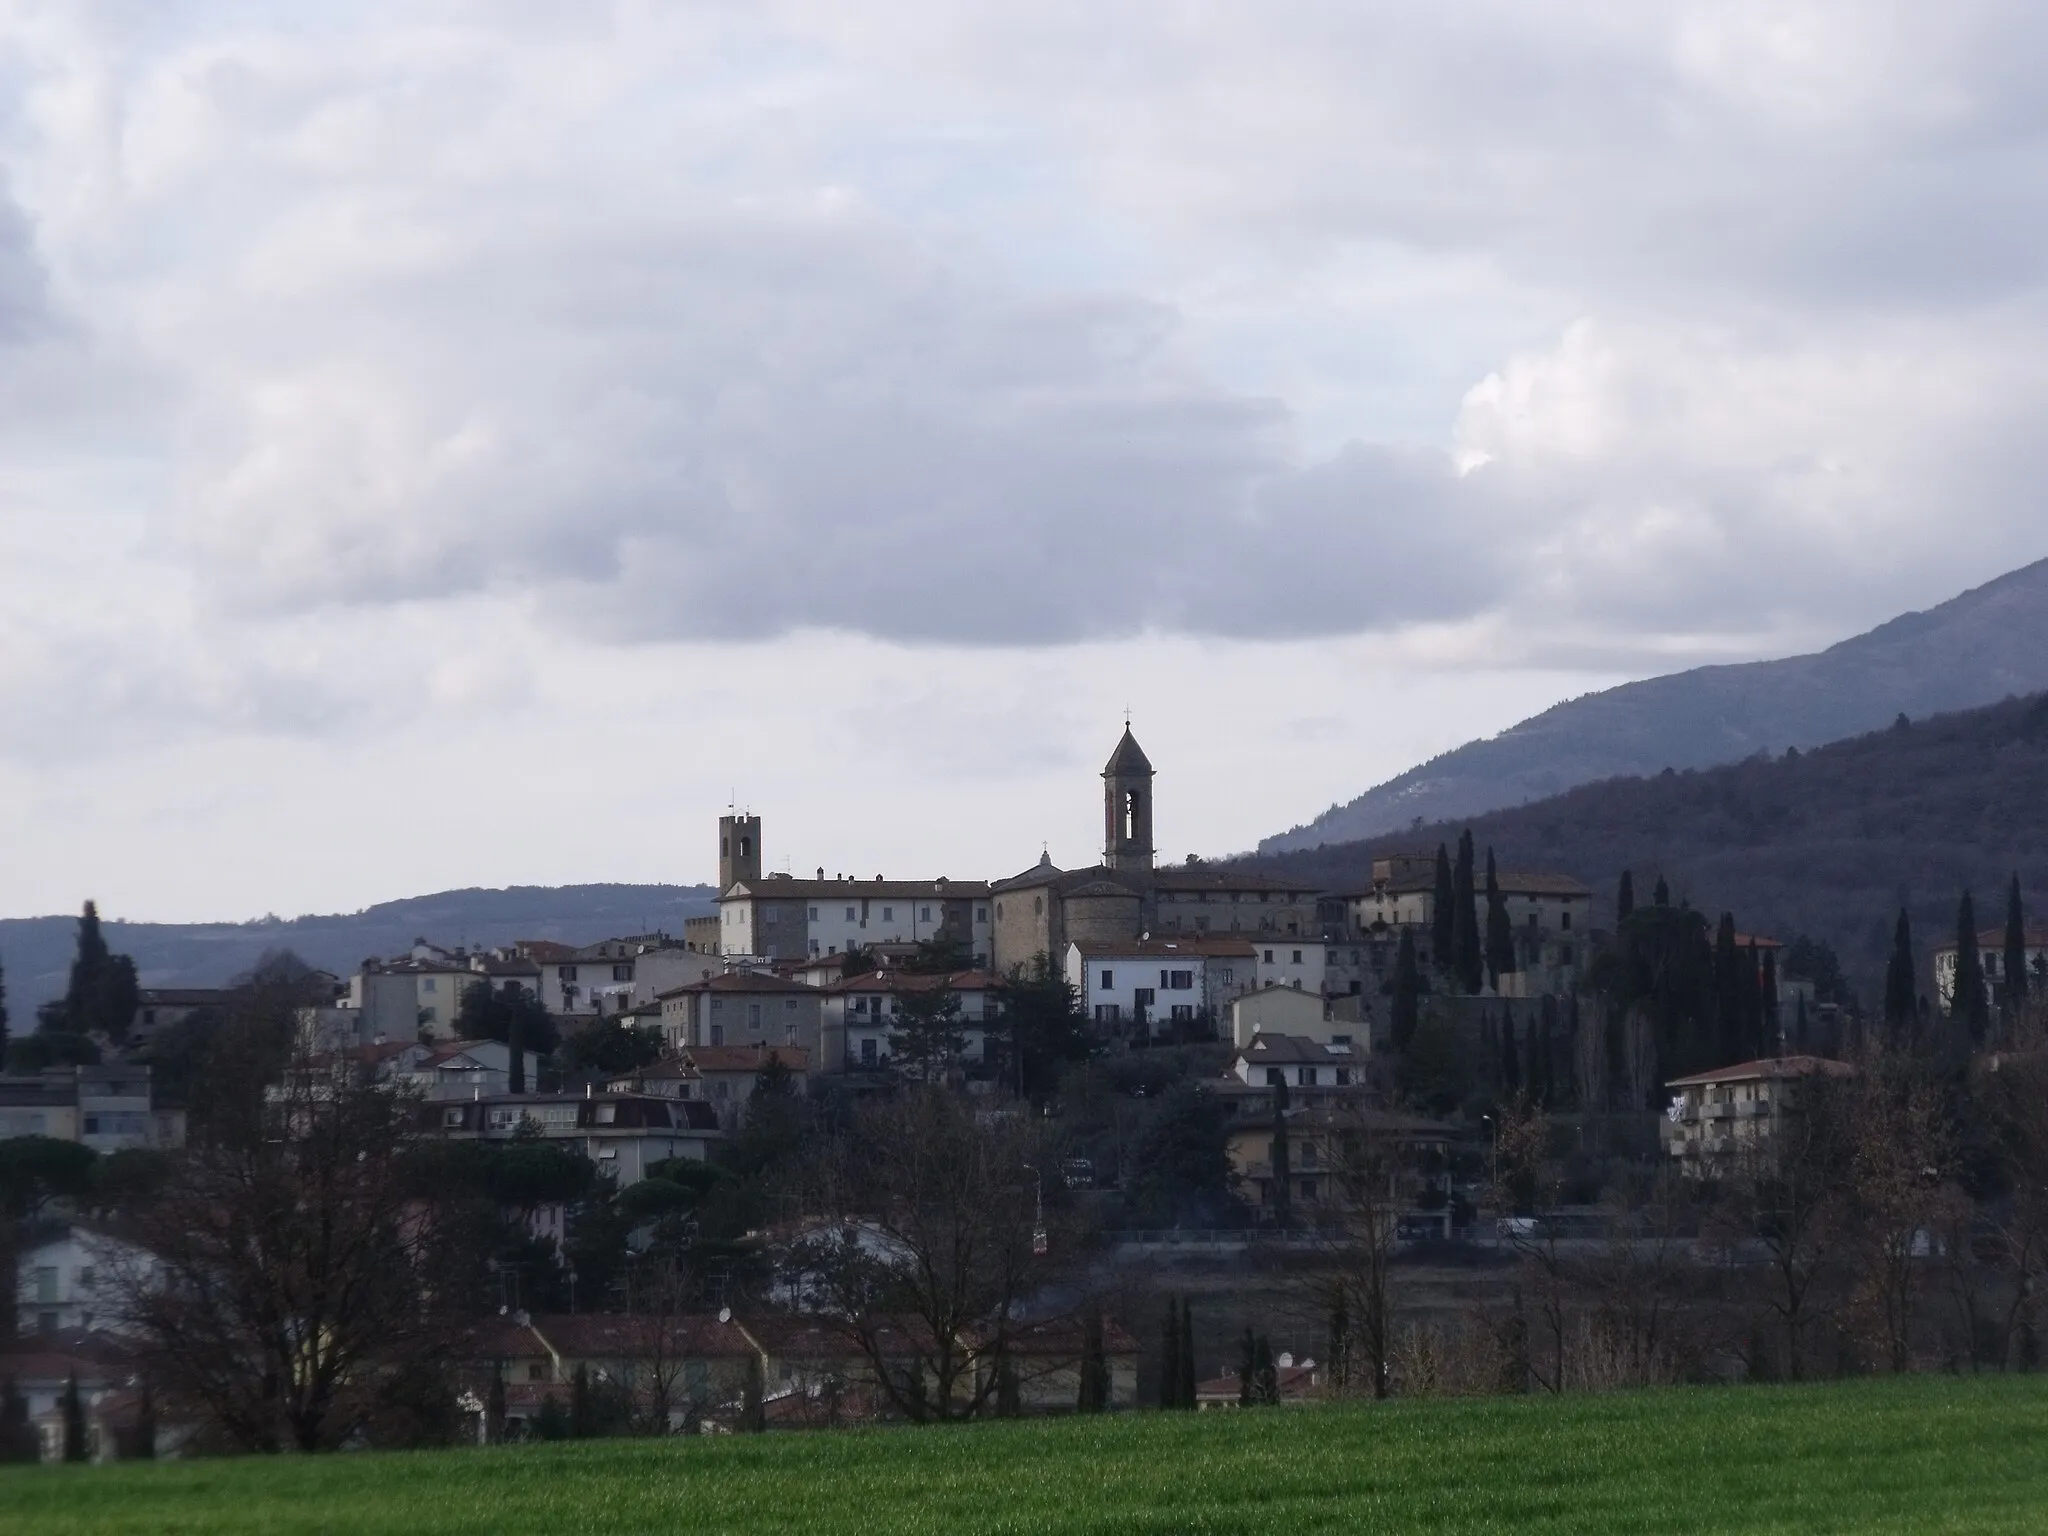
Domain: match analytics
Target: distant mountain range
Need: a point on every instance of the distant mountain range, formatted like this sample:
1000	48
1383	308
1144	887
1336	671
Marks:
36	951
1829	843
1986	645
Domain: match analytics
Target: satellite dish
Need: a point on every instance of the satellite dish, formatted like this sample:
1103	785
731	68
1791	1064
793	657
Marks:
725	1314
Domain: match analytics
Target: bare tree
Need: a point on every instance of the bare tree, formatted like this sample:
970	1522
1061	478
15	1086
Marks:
280	1269
1899	1156
929	1248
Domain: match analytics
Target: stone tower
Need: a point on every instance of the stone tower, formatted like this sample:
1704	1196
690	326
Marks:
1127	807
739	850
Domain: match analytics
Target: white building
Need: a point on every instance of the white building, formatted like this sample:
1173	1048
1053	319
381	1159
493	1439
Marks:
781	918
1169	980
865	1011
1300	963
75	1281
1296	1013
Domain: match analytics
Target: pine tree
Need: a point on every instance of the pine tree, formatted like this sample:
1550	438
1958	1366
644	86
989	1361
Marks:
1500	937
1283	1159
1407	1005
1969	1006
1468	958
1901	990
1625	898
1510	1065
1443	917
2015	949
73	1407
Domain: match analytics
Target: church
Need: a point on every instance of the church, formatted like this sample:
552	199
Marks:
1127	896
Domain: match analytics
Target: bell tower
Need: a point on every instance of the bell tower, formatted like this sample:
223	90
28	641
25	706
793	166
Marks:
739	851
1127	806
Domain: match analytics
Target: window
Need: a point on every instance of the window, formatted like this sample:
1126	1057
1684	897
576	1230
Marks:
1183	1012
92	1125
622	973
771	915
534	1372
1108	980
46	1283
1343	1040
789	1005
849	914
813	914
1143	996
451	1118
1566	954
1275	1077
1180	981
888	914
1297	958
607	1114
1269	957
1227	975
924	914
1343	1076
1308	1190
867	1051
1564	921
1308	1154
718	1034
1308	1077
754	1016
981	914
427	984
565	973
1108	1013
1534	920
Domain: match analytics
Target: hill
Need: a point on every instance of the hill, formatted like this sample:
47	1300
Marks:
1919	1453
1829	843
37	950
1988	643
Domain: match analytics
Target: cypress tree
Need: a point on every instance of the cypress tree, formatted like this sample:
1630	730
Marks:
1901	990
1265	1375
1094	1390
1340	1339
494	1407
1542	1061
515	1045
1469	960
1728	995
102	992
1443	917
73	1408
2015	949
1752	1004
145	1422
1662	895
1799	1026
582	1421
1500	937
1188	1378
1969	1006
1510	1065
1247	1367
1407	1007
1774	1035
17	1437
1283	1159
1169	1357
1625	898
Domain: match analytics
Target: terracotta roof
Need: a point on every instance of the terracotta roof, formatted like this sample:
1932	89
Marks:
1062	1336
1994	939
1295	1382
1276	1050
1100	888
1769	1069
1203	877
1513	882
746	1058
545	951
779	889
630	1336
181	997
801	1338
741	981
914	981
1185	946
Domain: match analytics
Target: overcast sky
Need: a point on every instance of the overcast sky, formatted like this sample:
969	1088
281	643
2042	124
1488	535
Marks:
466	444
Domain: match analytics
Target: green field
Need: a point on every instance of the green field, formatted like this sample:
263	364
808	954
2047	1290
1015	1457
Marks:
1918	1454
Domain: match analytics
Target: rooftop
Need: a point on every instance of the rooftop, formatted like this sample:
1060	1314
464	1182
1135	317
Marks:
1770	1069
1185	946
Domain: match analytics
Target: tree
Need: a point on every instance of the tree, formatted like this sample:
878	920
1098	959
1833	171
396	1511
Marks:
1970	1006
1189	1377
493	1013
1500	937
1247	1367
1169	1356
1661	896
17	1436
143	1447
1510	1062
1901	991
926	1034
1282	1158
1443	916
1543	1052
288	1259
2015	949
924	1252
1093	1396
494	1406
609	1047
1469	960
1179	1170
1046	1027
1625	897
101	995
1730	1001
1407	1004
582	1417
72	1406
1773	1026
941	956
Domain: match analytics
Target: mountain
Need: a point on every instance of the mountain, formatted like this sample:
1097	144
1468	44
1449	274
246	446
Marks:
36	951
1828	843
1988	644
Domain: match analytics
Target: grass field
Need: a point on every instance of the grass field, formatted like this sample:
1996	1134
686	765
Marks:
1919	1454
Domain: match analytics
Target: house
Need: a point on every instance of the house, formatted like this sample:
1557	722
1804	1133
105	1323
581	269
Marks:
1300	963
1343	1154
724	1076
590	979
742	1007
1198	898
1720	1119
460	1069
864	1011
418	995
42	1370
161	1007
1177	979
1991	955
1289	1010
1550	915
624	1134
1297	1382
695	1364
73	1281
109	1108
1045	1360
779	917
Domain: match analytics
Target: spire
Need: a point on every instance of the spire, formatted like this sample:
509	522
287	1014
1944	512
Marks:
1128	758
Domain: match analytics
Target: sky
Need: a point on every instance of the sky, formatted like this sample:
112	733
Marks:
450	444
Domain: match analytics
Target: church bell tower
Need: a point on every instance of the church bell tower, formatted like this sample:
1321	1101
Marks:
739	851
1127	806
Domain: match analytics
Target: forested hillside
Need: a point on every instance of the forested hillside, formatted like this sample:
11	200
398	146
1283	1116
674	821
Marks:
1985	645
1829	842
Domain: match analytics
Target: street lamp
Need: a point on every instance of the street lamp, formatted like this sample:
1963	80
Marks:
1039	1244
